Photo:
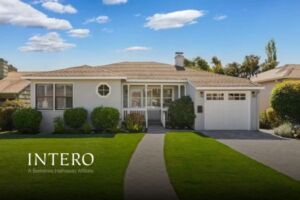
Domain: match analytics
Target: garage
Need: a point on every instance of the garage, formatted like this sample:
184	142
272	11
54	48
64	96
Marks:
227	110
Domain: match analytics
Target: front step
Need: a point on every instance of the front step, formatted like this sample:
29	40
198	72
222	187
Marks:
156	129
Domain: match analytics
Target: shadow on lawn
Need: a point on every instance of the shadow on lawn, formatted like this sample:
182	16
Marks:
16	135
241	135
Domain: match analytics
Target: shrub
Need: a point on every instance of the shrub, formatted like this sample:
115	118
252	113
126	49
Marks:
59	125
273	118
135	122
263	121
285	130
6	111
86	128
181	113
75	117
105	118
285	100
27	120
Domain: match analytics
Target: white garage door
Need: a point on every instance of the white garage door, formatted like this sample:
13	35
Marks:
227	110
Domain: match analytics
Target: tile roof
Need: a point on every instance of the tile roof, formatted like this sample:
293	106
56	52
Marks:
13	83
150	71
284	72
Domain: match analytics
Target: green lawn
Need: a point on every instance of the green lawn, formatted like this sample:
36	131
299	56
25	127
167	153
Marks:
202	168
112	154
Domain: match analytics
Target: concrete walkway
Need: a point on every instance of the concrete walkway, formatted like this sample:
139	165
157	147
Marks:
281	154
146	176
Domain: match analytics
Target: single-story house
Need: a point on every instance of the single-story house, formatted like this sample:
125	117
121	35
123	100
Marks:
14	87
270	78
221	102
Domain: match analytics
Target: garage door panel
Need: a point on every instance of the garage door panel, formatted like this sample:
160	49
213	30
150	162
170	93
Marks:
227	114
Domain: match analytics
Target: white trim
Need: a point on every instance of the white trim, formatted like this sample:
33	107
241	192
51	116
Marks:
73	78
109	92
156	81
230	88
54	103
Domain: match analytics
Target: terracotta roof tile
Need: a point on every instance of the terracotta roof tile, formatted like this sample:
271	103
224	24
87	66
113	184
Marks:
13	83
150	71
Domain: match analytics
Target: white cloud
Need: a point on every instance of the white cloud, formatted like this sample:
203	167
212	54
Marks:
50	42
57	7
114	2
136	49
220	17
79	33
19	13
99	20
176	19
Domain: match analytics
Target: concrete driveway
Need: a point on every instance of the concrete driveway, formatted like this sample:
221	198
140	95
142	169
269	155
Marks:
278	153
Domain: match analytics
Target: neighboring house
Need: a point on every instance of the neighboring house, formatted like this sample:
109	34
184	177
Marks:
270	78
14	87
221	102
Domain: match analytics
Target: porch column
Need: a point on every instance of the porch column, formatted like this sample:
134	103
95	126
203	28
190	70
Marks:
161	97
128	103
146	105
179	95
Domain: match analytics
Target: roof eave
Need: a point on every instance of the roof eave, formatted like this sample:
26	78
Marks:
231	88
73	78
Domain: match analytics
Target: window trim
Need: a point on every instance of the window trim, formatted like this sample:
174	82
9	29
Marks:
97	88
36	97
51	83
55	108
212	93
239	96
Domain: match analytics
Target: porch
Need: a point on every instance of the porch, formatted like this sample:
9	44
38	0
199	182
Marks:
150	100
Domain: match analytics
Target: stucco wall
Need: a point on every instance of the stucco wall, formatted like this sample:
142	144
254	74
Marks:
265	94
84	95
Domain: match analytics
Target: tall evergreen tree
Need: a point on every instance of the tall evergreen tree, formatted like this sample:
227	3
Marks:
197	62
271	61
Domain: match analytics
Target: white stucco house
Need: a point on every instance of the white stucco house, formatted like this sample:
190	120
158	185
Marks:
221	102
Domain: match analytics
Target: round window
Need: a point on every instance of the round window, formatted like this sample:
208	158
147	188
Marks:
103	90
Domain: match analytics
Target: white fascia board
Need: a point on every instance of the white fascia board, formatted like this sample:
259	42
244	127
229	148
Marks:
230	88
155	81
73	78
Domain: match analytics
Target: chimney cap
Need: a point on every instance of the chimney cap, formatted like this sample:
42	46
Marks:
179	53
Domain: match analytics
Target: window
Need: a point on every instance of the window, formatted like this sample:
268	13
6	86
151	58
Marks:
237	96
103	90
125	96
215	96
168	96
137	97
63	96
153	97
44	96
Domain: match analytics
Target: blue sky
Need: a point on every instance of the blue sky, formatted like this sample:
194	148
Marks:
52	34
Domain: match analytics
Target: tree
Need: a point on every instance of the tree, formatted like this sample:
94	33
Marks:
197	62
271	61
285	100
202	64
217	65
232	69
250	66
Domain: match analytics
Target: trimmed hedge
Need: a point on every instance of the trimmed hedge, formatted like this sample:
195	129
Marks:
27	120
286	100
75	117
135	122
181	113
105	118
